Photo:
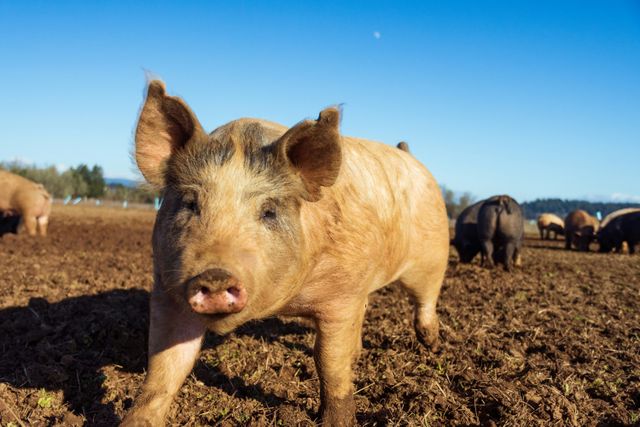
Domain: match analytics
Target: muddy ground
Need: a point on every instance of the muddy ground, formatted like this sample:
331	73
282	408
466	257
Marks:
555	343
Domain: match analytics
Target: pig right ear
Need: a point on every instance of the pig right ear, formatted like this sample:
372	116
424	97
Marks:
166	124
312	150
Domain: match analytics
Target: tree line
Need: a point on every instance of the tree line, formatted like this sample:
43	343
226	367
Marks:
562	207
457	202
79	181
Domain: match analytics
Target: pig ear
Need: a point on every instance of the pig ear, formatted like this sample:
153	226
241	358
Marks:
165	125
312	149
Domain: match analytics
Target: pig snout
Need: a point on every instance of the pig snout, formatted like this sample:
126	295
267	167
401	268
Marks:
216	291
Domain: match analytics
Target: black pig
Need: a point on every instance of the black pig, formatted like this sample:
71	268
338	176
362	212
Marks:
466	239
623	228
500	231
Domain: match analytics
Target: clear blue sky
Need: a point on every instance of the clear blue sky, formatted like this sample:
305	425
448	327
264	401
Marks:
534	99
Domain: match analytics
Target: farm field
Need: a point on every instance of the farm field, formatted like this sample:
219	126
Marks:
555	343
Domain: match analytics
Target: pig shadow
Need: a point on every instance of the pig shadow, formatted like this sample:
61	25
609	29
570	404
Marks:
273	329
66	345
270	330
537	243
9	224
545	247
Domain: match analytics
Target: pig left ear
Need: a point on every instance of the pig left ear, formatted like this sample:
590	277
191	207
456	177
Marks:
166	124
312	149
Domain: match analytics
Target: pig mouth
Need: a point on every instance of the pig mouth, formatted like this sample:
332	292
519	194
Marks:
218	298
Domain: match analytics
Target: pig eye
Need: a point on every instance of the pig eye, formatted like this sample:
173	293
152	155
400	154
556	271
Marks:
268	213
191	204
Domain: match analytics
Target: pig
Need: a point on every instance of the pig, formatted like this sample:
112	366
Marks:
26	198
466	239
9	222
500	231
616	214
580	230
619	229
259	220
550	223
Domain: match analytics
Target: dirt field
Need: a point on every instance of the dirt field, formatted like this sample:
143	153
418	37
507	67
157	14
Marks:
555	343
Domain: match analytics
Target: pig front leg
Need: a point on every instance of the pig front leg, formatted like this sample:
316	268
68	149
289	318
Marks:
568	238
337	346
175	338
30	223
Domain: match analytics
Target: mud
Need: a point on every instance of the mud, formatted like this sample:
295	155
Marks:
557	342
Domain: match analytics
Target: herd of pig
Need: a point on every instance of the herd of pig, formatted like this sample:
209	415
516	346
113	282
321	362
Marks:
495	228
617	230
261	220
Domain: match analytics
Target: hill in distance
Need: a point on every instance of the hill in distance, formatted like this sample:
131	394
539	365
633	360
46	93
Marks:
130	183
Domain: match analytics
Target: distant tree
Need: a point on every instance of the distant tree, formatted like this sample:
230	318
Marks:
464	201
455	204
93	179
48	176
449	201
79	185
140	194
96	182
78	181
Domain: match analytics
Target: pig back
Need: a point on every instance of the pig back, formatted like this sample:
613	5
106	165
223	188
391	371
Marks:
19	194
616	214
383	202
578	220
500	216
547	219
10	186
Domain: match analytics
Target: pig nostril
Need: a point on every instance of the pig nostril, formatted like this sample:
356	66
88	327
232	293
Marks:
234	291
204	290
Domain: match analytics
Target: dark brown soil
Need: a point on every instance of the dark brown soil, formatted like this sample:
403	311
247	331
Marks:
555	343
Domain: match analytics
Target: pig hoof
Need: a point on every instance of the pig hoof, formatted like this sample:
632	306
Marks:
338	412
428	337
